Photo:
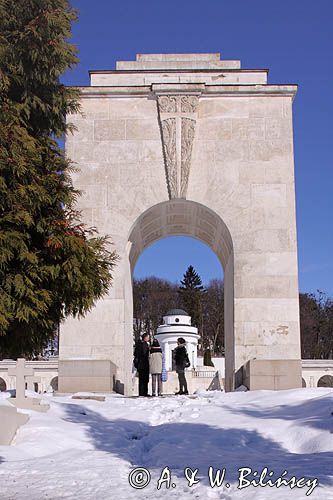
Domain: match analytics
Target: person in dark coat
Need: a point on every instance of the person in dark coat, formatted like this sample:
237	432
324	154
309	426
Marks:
156	363
181	362
141	363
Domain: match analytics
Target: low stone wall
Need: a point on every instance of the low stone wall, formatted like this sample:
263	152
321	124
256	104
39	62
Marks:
312	372
10	420
202	379
46	370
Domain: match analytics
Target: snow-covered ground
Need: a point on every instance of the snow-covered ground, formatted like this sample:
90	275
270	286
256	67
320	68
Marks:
84	449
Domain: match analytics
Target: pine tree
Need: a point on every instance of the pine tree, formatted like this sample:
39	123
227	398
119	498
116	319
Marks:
191	293
51	265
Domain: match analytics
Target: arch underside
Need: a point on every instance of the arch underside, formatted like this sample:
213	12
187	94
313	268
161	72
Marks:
181	218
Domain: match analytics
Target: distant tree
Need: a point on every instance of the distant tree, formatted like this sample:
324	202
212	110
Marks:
316	322
51	265
329	334
213	316
191	293
152	298
309	324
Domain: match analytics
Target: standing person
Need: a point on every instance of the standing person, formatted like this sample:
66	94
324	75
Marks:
182	362
141	363
155	362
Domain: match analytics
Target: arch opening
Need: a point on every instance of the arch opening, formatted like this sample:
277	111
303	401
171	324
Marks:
54	383
156	280
188	218
3	385
325	381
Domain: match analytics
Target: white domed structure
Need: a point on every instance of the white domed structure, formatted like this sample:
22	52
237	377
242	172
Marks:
177	323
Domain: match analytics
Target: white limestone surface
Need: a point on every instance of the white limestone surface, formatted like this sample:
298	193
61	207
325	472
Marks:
196	152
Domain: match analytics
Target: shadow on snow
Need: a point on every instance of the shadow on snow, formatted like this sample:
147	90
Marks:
180	445
316	413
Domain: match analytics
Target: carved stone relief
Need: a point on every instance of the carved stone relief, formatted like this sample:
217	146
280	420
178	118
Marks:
188	129
177	115
170	153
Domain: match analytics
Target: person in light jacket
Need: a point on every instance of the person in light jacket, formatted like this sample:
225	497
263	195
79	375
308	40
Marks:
155	365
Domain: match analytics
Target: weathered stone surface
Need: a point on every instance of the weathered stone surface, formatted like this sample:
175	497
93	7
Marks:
193	153
147	75
273	374
91	375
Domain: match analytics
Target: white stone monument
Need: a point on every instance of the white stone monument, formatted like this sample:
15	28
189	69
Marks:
21	372
177	323
189	144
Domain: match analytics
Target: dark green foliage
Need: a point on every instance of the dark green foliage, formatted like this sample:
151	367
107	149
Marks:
51	265
191	294
207	360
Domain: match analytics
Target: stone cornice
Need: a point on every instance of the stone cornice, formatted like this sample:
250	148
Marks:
188	70
246	90
178	88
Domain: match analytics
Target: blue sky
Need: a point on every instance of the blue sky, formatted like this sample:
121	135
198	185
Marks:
294	39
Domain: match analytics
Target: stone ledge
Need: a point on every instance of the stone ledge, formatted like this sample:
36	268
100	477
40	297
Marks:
191	56
204	89
30	404
91	397
10	420
176	65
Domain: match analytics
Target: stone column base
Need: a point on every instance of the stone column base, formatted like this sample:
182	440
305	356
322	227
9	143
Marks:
272	374
88	375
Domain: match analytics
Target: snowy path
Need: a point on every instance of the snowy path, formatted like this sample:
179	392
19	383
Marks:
86	449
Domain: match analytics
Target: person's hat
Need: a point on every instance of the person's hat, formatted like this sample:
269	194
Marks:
181	340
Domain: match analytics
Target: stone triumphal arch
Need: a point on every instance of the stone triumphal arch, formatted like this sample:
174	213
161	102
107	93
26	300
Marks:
188	144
